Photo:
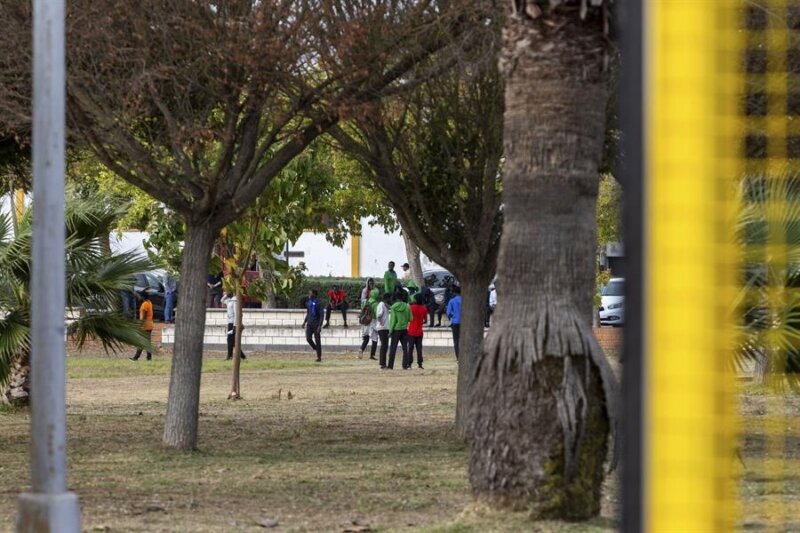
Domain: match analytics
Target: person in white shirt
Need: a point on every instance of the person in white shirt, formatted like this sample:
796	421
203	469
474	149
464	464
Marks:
231	302
382	326
491	305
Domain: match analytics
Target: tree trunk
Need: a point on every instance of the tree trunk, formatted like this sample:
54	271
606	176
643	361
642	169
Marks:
474	291
543	396
266	275
412	252
180	429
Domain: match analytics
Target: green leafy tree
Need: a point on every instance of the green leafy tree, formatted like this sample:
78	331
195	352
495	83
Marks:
609	210
318	191
93	283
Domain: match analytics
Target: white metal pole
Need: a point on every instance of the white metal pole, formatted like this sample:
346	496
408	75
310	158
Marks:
48	507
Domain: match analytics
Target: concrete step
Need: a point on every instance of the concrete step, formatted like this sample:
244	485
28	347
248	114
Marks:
282	317
280	337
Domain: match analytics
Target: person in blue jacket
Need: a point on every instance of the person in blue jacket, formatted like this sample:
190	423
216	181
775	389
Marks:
314	323
454	314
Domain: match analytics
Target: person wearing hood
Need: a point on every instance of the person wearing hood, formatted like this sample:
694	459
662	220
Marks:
369	324
366	292
399	318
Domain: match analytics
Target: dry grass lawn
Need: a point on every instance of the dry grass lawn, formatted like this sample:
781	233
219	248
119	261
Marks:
354	449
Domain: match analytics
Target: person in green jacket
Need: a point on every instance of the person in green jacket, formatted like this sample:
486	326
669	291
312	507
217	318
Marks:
399	318
370	331
390	279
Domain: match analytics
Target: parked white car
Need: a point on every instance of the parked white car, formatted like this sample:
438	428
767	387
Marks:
612	303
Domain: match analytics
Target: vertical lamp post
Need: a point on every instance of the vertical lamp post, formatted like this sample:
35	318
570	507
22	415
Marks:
48	507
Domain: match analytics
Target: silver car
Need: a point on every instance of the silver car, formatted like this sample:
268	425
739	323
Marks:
612	303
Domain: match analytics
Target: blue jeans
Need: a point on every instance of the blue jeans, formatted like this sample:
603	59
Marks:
169	303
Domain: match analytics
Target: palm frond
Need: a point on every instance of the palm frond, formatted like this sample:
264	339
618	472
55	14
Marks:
14	340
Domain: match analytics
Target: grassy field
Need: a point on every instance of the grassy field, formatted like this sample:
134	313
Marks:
355	449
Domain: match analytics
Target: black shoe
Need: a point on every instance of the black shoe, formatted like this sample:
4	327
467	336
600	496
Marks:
373	357
421	367
242	357
345	325
325	326
134	358
319	359
149	358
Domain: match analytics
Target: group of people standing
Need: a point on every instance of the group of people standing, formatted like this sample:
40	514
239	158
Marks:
392	319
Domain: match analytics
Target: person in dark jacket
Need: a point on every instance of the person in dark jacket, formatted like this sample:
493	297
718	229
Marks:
429	300
314	323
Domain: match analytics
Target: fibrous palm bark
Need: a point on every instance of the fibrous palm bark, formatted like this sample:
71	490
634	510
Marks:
542	399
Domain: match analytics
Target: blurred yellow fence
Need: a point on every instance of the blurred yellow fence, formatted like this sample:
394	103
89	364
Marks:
721	265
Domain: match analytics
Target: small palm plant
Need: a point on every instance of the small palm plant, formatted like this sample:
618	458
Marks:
93	283
768	233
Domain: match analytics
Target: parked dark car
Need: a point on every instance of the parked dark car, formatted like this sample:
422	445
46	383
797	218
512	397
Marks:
150	283
438	280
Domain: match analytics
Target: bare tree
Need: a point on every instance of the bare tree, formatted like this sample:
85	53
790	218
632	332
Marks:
543	396
202	104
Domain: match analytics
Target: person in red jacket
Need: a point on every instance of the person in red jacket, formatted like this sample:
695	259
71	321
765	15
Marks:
338	300
419	314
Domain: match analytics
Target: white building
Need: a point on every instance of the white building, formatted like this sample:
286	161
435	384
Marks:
361	256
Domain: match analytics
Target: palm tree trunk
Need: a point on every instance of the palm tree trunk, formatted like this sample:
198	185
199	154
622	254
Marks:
17	391
105	244
542	391
180	428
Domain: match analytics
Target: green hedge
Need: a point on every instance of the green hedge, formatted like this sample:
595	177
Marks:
351	286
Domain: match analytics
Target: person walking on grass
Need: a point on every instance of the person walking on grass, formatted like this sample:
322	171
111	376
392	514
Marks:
368	321
454	314
146	316
314	323
231	302
338	300
418	315
389	279
399	318
382	313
